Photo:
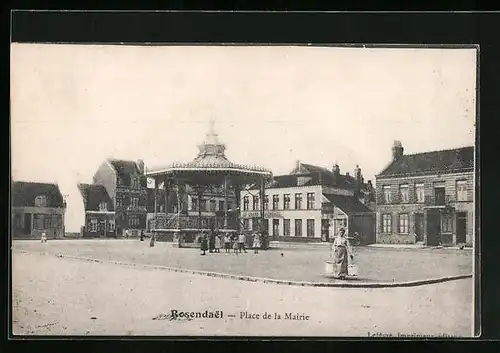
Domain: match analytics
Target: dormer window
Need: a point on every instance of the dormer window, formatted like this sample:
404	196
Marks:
103	206
41	201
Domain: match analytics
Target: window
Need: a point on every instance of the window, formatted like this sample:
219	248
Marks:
298	201
298	227
461	190
446	223
276	201
103	206
286	227
266	202
246	224
133	221
255	203
245	203
229	205
286	201
221	205
93	225
194	204
403	193
213	205
387	194
386	223
403	223
46	222
134	201
41	201
203	205
119	201
310	228
111	225
37	221
135	182
310	200
419	192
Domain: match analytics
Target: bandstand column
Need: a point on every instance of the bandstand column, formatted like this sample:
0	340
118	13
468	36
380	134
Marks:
262	196
225	202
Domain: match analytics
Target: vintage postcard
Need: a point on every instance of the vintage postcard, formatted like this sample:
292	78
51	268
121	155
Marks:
243	190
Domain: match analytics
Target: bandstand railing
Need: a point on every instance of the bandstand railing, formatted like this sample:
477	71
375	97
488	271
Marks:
174	221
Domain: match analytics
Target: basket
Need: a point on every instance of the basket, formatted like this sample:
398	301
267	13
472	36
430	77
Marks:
352	270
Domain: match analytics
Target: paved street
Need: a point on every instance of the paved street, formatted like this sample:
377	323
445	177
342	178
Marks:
60	296
301	263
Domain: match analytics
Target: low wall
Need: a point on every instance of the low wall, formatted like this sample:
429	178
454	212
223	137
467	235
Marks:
297	239
395	239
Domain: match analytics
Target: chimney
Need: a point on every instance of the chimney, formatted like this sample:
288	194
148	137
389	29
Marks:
140	165
347	174
336	169
397	150
357	173
370	186
297	164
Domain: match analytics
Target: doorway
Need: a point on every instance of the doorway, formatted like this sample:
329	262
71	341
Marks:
276	228
433	227
419	227
461	227
27	223
325	230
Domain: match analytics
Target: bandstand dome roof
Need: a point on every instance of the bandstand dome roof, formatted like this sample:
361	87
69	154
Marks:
211	163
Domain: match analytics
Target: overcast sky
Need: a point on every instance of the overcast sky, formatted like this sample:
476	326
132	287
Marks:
72	106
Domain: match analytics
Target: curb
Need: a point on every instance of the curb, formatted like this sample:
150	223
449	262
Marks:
263	280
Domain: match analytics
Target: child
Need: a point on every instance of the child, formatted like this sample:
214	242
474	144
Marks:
235	245
43	239
256	242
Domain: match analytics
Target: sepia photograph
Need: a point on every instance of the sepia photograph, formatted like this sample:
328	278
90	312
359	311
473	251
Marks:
243	190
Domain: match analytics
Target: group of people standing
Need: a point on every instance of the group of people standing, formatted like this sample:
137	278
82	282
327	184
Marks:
214	241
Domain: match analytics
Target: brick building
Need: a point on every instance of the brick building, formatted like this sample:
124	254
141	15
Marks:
99	212
37	208
427	197
126	186
311	204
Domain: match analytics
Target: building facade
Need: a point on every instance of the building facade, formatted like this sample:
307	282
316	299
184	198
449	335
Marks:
126	186
427	197
99	212
37	208
311	204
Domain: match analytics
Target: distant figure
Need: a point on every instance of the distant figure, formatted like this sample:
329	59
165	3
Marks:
152	241
142	235
282	255
126	233
241	242
211	241
204	244
342	249
218	243
256	242
227	242
43	238
235	244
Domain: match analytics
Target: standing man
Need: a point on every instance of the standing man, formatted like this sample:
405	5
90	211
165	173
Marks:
241	242
142	235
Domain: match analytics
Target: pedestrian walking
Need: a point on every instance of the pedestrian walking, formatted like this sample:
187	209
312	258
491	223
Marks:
204	244
341	252
152	241
241	242
142	235
43	238
256	242
126	233
227	242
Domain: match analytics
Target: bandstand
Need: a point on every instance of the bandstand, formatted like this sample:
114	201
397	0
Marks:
209	169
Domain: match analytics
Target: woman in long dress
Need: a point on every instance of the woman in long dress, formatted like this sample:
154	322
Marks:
218	242
204	244
341	252
256	242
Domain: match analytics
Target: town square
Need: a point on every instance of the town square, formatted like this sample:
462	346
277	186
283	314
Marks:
253	207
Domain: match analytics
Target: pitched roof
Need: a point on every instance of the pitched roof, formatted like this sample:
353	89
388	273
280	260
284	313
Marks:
24	194
446	161
93	195
124	167
348	204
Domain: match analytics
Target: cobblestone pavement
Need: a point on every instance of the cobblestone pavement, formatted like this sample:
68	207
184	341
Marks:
58	296
299	263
